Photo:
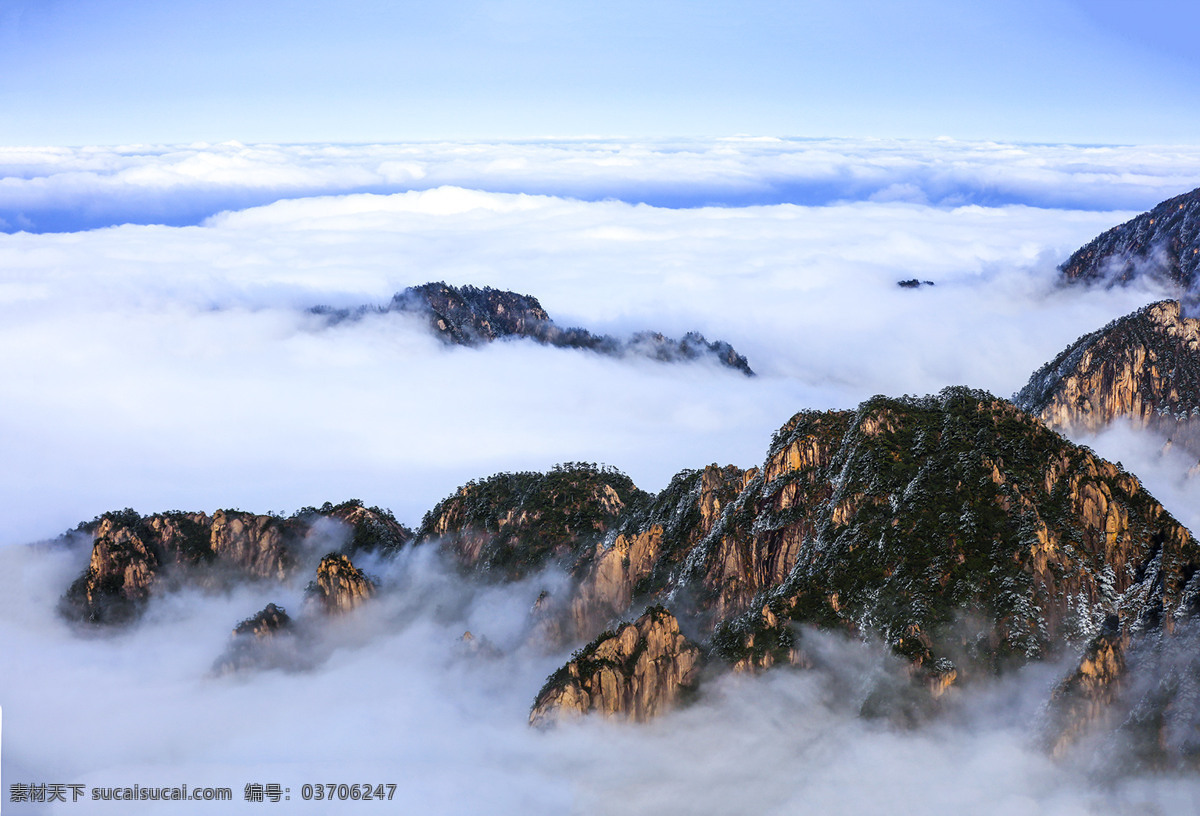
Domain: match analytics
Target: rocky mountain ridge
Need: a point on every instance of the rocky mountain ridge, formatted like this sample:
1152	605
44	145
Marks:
135	557
470	316
955	530
1163	243
1144	367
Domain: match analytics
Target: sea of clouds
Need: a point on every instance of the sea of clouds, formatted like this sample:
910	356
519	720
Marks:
65	189
168	361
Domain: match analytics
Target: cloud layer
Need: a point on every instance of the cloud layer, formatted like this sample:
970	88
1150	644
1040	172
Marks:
67	189
166	367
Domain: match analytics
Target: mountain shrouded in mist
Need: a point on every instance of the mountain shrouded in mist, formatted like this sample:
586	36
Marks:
1162	243
1144	367
956	530
470	316
987	617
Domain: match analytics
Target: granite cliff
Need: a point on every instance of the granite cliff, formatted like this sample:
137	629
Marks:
1144	367
135	557
272	639
340	586
638	670
956	531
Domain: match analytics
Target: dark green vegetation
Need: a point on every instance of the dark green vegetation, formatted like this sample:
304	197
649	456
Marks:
373	529
958	530
511	524
954	529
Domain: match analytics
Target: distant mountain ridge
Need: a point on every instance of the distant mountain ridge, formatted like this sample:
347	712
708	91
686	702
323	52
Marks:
470	316
1163	243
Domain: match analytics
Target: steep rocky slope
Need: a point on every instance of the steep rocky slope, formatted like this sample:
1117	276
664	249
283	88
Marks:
1144	367
1162	243
470	316
134	557
955	529
1137	691
639	670
272	639
340	586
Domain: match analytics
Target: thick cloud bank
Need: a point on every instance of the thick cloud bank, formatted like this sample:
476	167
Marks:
68	189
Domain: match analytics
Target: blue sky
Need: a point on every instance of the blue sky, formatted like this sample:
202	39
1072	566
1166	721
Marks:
130	71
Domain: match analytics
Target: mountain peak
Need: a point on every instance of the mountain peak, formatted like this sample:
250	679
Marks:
1162	243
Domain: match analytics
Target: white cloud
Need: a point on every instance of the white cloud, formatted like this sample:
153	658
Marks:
57	189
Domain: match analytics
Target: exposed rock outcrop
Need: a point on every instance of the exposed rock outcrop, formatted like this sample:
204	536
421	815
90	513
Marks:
638	671
956	529
135	557
266	640
1137	693
635	562
340	586
469	316
258	546
1163	243
1144	367
122	572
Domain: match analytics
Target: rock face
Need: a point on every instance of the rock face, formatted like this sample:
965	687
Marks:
131	557
1164	243
956	529
135	557
469	316
265	640
1137	689
1144	367
640	561
637	671
340	586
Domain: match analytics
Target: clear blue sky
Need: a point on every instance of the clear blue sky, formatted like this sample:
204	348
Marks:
121	71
